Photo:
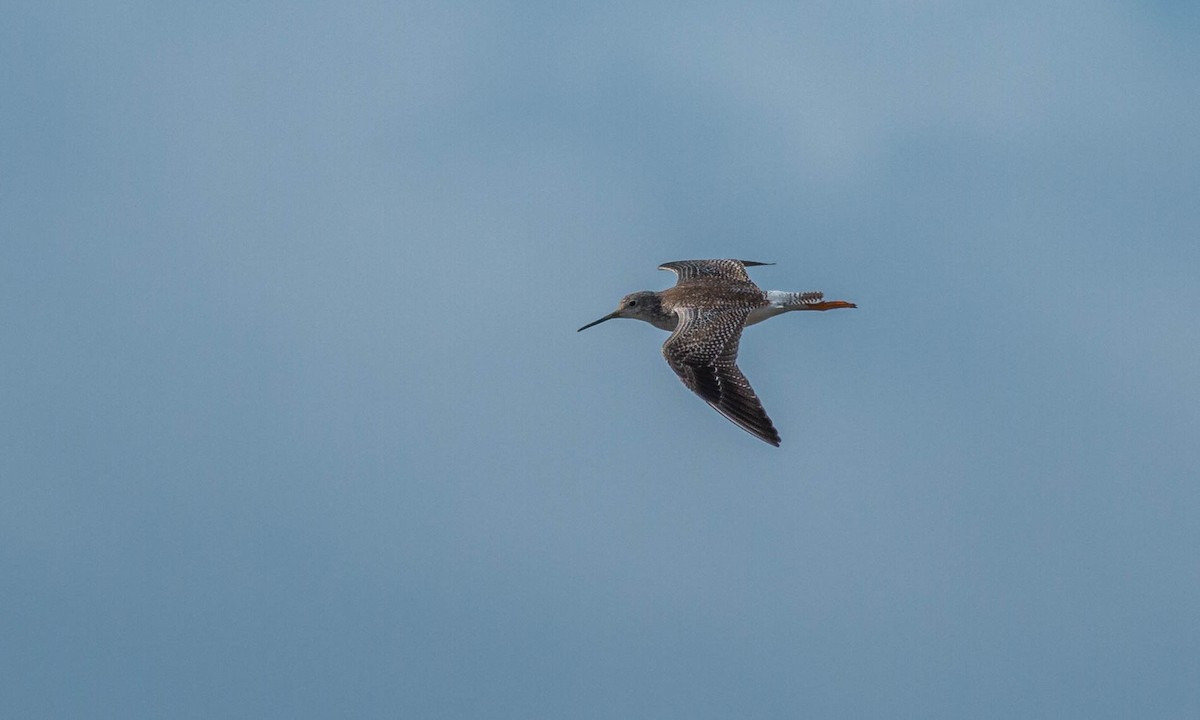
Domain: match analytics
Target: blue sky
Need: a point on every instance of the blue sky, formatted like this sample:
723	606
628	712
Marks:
295	421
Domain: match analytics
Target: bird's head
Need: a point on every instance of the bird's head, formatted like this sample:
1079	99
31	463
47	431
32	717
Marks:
645	305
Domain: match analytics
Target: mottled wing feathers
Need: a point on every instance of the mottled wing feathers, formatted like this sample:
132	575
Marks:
724	269
703	353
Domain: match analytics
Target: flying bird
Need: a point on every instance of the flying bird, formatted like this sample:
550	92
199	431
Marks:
706	310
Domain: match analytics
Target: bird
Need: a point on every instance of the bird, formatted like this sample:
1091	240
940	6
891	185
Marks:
706	310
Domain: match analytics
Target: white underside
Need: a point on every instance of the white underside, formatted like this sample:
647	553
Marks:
757	315
778	304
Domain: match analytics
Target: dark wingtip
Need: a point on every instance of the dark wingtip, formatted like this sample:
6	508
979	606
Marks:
769	434
752	263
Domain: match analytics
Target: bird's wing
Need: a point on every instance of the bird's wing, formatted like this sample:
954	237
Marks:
724	269
703	353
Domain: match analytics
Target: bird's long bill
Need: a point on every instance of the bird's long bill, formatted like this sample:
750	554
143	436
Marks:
609	316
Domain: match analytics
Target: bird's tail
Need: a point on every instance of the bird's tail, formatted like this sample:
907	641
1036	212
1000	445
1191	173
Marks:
783	301
800	300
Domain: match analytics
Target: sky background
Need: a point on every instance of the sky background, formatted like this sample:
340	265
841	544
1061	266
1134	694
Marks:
294	421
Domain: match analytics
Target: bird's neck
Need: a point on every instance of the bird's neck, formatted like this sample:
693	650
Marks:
663	321
659	316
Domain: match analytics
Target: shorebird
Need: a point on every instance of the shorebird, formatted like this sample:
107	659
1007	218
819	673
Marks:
706	310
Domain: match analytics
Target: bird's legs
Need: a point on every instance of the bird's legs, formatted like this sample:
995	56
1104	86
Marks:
828	305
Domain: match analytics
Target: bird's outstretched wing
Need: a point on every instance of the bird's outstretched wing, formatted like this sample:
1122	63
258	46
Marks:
724	269
703	353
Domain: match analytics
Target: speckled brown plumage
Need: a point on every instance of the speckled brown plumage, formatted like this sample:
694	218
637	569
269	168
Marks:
706	310
703	353
723	269
712	299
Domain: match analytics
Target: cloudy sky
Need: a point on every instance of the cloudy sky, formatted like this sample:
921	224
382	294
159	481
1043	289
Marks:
294	421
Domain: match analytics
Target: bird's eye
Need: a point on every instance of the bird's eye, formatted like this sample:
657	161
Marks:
632	303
